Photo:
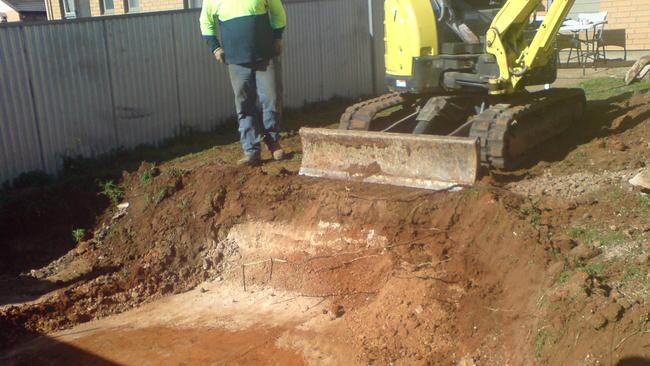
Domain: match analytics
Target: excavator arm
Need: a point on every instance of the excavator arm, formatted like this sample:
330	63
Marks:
505	41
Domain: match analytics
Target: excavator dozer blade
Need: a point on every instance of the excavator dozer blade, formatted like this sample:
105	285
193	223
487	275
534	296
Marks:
419	161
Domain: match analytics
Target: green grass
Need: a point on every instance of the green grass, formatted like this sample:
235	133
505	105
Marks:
580	234
644	200
613	238
633	273
604	88
590	236
597	269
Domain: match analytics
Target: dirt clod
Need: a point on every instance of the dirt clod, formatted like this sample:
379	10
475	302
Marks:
613	312
585	251
598	321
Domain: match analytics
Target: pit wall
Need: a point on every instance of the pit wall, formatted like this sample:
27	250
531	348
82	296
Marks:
90	86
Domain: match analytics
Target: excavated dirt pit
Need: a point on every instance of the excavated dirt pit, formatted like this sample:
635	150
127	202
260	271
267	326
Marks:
372	274
216	264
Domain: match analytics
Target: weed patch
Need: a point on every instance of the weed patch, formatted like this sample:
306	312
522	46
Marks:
111	190
146	176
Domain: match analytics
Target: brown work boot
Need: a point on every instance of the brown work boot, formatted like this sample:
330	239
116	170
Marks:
251	160
276	150
278	154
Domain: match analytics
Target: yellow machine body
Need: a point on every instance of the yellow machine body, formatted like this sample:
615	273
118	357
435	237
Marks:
410	31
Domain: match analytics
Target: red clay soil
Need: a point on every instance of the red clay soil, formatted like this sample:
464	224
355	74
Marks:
449	260
180	346
463	277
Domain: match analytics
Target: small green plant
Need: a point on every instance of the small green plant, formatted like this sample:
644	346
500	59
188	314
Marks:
296	156
183	203
147	175
158	196
242	178
111	190
78	235
562	276
643	319
644	200
534	216
130	234
540	342
576	233
177	172
581	155
585	235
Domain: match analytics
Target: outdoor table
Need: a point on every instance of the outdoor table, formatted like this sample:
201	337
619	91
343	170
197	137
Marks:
576	28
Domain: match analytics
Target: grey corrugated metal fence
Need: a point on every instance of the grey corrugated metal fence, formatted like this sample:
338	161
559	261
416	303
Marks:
89	86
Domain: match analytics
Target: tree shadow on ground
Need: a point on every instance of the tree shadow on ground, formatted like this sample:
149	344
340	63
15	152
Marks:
22	347
21	288
634	361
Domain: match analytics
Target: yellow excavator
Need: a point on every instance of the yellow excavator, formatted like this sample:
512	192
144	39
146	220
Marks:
457	71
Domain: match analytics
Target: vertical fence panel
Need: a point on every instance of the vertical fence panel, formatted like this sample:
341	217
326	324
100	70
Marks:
71	90
302	61
144	79
206	99
20	149
347	68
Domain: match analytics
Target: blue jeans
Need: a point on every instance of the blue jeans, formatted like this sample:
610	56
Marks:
249	82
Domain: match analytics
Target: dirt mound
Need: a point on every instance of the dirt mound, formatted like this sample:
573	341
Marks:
383	253
611	146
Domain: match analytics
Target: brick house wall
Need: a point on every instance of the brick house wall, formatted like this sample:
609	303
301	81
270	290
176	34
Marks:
634	16
53	9
12	15
120	7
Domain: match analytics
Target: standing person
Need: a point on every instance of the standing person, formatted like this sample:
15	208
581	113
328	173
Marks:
250	40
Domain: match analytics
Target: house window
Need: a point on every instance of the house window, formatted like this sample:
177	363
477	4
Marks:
132	6
108	6
193	4
69	9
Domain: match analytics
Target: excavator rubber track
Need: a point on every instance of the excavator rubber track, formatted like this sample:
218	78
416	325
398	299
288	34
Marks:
508	131
359	117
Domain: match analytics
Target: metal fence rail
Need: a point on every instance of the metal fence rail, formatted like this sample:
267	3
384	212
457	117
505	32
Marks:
89	86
